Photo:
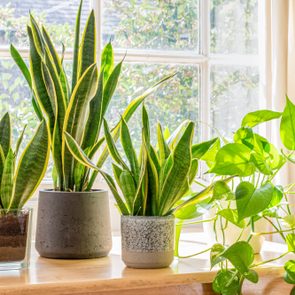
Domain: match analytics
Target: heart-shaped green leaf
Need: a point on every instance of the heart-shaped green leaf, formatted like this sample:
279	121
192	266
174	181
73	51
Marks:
226	282
254	118
232	216
233	159
240	255
251	201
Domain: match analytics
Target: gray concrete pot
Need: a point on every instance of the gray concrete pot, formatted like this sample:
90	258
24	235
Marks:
73	224
147	241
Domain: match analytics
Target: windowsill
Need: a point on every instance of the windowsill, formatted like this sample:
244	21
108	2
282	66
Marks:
110	276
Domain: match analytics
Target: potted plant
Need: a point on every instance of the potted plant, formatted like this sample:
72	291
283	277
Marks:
152	185
253	162
19	178
73	219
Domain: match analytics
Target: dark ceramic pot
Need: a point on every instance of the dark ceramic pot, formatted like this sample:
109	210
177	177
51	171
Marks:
73	225
147	241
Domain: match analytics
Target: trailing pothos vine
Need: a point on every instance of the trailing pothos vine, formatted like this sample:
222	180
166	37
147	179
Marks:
245	190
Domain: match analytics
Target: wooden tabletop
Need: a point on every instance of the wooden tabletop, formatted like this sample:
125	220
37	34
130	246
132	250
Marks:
110	276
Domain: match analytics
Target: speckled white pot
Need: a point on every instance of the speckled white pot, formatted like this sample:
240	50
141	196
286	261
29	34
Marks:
147	241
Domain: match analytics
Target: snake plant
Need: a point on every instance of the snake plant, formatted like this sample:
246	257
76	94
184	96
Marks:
156	182
78	109
19	177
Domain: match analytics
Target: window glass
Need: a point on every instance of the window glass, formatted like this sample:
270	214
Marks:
234	26
152	24
176	100
58	17
234	92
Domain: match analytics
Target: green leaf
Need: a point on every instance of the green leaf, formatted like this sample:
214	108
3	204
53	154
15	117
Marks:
50	50
290	240
77	152
112	147
222	191
146	126
278	194
164	150
21	64
38	84
32	166
107	61
94	120
231	215
128	188
289	221
215	254
179	171
7	183
129	150
251	276
200	149
210	155
233	159
192	211
290	272
5	133
287	127
76	46
140	193
75	114
254	118
110	87
87	50
19	141
2	161
240	255
80	156
226	282
152	205
251	201
56	146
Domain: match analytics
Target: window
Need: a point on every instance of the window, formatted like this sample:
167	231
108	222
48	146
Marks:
213	46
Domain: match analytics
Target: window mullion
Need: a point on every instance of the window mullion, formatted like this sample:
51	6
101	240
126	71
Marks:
205	75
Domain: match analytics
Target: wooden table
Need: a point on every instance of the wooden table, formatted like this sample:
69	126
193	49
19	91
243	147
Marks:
109	275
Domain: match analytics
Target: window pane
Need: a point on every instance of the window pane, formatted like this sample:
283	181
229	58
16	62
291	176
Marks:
234	92
58	17
152	24
234	26
15	97
172	103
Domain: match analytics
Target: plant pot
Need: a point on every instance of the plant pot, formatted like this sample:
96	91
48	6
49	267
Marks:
73	225
15	238
232	232
147	241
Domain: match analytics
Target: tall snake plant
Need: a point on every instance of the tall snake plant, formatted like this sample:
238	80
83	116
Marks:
20	176
78	109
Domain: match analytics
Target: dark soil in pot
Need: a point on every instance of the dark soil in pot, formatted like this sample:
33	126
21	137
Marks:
13	236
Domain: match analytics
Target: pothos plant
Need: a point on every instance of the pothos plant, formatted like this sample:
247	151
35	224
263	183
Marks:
79	107
21	175
244	190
